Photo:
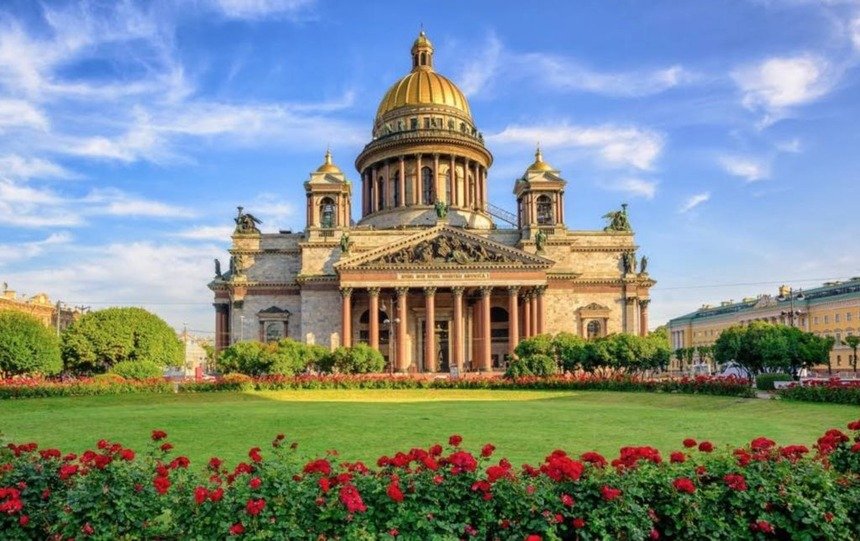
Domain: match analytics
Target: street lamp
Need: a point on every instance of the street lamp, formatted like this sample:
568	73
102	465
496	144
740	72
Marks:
790	297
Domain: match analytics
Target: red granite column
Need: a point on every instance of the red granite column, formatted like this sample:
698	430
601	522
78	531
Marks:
402	294
486	338
643	316
457	331
346	316
513	318
373	315
430	329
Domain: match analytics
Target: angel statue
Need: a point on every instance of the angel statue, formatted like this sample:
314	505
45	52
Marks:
540	240
617	220
629	262
217	268
643	265
345	243
246	223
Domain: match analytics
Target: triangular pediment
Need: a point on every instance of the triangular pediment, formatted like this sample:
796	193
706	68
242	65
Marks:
445	247
594	306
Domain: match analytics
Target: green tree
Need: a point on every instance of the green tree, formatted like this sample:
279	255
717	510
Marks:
27	346
537	364
248	357
570	350
542	343
727	347
853	342
100	339
358	359
679	356
660	348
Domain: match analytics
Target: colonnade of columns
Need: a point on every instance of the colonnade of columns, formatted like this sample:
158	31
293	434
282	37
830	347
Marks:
399	182
524	304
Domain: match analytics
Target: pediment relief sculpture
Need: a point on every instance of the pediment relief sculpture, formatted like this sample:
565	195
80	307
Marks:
443	249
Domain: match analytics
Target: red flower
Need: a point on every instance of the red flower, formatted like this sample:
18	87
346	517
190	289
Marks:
320	465
127	455
237	529
462	461
393	532
487	450
87	529
255	483
854	425
706	447
534	537
856	447
689	443
68	470
684	484
158	435
350	497
215	464
436	450
200	495
394	491
762	444
255	455
180	462
255	507
216	495
455	440
161	484
594	458
579	523
762	526
677	457
654	534
735	481
567	500
609	493
560	467
166	447
23	520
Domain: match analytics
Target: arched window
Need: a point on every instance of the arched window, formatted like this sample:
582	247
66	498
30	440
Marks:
448	185
472	192
423	59
593	329
395	188
544	210
274	331
327	212
426	186
364	329
381	189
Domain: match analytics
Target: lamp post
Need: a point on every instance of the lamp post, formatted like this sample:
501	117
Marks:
241	328
790	297
391	324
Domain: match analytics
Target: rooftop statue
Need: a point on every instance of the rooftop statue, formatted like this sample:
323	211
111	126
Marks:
441	209
617	220
246	223
540	240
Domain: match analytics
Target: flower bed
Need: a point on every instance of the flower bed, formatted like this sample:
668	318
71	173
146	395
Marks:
31	388
758	491
833	391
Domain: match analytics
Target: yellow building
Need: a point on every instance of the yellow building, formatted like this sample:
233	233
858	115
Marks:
830	310
41	307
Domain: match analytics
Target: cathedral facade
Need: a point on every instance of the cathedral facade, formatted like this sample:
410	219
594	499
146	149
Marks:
432	275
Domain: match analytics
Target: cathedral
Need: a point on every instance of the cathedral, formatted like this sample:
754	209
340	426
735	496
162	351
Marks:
433	275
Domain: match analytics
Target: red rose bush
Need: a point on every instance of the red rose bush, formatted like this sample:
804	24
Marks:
703	491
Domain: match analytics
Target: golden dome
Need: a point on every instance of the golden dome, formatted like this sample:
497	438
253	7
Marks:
328	166
539	164
423	86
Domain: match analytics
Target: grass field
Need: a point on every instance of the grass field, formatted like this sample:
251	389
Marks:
364	424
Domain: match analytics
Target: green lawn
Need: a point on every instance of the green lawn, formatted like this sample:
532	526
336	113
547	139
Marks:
524	425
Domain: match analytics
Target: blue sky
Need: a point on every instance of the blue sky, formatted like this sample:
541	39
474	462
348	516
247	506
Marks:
130	131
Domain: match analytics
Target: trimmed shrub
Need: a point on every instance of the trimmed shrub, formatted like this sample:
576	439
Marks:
27	346
99	340
358	359
137	370
832	391
537	364
764	382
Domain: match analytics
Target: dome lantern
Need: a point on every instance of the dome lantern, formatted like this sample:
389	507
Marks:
422	53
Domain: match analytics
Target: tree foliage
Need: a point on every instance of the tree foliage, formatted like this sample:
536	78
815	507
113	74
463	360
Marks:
763	347
137	370
101	339
537	364
286	357
852	342
27	346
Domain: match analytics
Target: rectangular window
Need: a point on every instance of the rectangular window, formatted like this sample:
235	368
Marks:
815	320
847	316
836	318
826	320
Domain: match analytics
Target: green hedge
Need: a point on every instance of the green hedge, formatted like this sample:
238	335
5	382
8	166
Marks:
833	392
764	382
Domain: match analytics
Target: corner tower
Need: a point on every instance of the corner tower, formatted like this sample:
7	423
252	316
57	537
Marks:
425	149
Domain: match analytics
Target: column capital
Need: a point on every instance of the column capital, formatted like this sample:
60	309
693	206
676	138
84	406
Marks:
458	291
540	290
402	158
436	155
373	291
644	302
346	292
429	291
486	291
401	291
513	290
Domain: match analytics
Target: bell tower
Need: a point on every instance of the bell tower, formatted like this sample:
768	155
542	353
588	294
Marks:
540	197
328	198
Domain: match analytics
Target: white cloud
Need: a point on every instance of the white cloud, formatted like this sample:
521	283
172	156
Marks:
694	201
750	169
855	32
18	252
19	113
215	233
636	187
558	73
258	9
169	279
618	146
18	167
780	83
792	145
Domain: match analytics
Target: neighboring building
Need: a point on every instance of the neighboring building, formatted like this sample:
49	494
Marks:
830	310
53	315
433	274
196	357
